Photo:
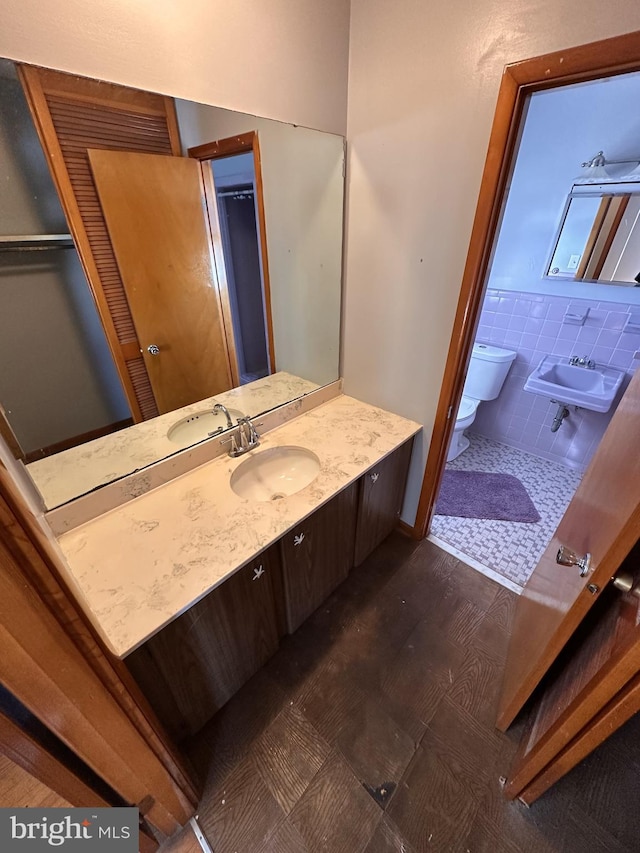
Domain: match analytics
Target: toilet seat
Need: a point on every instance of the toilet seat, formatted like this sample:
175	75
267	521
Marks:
466	411
465	416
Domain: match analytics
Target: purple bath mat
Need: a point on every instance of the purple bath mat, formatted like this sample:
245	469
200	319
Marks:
477	494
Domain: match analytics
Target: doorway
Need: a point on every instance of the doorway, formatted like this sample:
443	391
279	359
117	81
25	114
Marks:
235	188
232	174
530	310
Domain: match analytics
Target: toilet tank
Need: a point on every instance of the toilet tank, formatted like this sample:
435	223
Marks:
488	369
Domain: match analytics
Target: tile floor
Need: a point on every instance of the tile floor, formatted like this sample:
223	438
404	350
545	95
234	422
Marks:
372	731
509	548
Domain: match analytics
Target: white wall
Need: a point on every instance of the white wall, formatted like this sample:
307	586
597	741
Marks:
303	200
423	83
284	59
564	127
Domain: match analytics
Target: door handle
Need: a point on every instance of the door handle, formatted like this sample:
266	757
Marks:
624	582
567	557
153	349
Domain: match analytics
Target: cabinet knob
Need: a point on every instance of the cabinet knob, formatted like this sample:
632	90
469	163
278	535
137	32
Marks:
257	573
374	477
298	539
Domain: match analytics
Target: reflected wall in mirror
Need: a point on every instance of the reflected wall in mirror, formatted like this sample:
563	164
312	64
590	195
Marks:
599	237
75	357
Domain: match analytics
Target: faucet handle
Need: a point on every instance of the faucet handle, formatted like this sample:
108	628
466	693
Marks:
582	361
247	431
231	440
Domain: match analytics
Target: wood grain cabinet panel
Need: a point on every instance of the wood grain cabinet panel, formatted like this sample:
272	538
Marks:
317	555
381	495
194	665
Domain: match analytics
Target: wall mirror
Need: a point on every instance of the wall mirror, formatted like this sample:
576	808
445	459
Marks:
599	236
261	239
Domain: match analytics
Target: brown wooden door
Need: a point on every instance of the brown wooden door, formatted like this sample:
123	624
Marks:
193	666
71	115
317	555
381	494
52	663
156	215
601	660
603	519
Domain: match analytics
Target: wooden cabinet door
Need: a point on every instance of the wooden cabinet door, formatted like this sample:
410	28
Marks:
381	494
193	666
317	555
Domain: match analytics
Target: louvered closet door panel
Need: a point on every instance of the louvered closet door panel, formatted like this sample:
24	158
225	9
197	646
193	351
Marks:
72	115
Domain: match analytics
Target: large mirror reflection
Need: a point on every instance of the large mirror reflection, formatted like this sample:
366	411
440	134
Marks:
157	257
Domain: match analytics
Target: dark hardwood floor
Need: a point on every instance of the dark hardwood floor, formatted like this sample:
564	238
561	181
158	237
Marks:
372	730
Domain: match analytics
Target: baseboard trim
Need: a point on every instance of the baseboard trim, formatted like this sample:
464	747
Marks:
405	529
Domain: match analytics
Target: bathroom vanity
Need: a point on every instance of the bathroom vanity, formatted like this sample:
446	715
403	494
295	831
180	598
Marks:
195	586
194	665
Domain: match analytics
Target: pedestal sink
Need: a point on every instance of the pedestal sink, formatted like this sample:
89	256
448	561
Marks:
275	473
591	388
199	425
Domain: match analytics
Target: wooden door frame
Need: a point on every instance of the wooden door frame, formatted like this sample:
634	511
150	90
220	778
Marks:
24	749
588	62
608	720
240	144
55	663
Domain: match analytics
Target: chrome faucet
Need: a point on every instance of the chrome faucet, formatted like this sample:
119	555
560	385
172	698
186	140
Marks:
220	408
247	428
582	361
243	439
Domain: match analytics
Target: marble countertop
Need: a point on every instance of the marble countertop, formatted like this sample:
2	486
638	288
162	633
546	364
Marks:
139	566
74	472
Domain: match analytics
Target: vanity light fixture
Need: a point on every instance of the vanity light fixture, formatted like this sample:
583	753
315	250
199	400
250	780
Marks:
596	169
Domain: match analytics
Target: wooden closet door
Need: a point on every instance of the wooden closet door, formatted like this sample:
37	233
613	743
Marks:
72	114
155	211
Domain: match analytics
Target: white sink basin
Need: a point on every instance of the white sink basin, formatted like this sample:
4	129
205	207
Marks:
199	425
275	473
590	388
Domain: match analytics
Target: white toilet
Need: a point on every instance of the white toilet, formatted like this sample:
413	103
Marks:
488	369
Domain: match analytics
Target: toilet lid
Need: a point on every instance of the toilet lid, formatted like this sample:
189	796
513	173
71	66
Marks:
467	407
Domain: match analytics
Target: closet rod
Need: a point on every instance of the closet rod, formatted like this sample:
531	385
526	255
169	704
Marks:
36	242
